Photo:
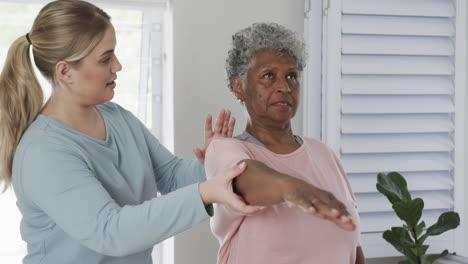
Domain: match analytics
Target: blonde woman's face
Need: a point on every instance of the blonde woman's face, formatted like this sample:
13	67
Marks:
93	80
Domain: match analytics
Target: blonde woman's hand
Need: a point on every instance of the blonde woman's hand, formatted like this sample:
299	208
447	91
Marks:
219	190
224	127
321	203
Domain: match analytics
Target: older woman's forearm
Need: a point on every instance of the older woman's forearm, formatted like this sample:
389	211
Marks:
260	185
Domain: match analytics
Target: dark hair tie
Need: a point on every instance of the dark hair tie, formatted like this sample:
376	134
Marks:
29	40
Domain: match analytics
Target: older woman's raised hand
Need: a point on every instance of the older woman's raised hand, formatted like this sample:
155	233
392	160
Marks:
316	201
224	127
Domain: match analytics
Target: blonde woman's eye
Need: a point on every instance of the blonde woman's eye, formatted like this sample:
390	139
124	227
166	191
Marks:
106	61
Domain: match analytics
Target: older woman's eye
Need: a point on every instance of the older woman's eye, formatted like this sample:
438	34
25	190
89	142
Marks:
291	76
268	75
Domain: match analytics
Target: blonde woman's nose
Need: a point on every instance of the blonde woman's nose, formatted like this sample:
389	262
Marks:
117	66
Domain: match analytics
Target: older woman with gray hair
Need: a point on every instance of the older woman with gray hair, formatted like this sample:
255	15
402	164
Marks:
285	172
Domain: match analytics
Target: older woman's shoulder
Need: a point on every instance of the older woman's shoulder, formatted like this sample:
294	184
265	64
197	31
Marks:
221	146
316	144
226	142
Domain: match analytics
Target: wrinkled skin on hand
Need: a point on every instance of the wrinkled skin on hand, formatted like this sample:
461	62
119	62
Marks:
316	201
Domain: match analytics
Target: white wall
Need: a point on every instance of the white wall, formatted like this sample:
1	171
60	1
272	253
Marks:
202	32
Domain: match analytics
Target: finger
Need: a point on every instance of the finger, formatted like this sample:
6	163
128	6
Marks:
239	205
235	171
328	200
231	126
314	209
326	211
348	226
208	126
342	209
333	215
339	206
227	118
200	155
219	122
304	205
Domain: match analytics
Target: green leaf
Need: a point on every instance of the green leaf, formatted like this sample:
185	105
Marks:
411	256
393	238
446	221
393	186
400	240
423	238
420	250
420	229
409	211
433	257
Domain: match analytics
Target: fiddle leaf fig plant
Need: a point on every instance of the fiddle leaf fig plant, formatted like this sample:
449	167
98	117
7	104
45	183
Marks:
409	239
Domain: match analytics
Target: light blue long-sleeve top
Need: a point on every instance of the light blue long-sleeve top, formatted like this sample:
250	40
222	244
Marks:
89	201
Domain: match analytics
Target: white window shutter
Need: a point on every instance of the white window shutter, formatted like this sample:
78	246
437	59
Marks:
393	89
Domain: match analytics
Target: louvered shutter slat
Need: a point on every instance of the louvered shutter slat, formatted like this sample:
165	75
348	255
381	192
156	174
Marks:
394	85
402	162
432	8
417	181
385	25
403	65
396	143
408	123
396	104
396	45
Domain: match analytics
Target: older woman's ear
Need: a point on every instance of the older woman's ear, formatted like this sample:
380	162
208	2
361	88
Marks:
237	88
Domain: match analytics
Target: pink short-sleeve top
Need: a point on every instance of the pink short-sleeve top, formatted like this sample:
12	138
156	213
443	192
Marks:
279	234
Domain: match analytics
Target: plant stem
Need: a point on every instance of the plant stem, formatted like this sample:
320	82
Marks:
413	229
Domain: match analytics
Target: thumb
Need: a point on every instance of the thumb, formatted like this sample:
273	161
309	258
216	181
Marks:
236	170
200	155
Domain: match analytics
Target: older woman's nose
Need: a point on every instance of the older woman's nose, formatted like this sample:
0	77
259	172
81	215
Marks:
282	86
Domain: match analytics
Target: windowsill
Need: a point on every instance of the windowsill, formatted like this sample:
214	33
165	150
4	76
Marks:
445	260
453	260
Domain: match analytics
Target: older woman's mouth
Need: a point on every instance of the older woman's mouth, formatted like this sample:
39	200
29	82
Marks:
282	104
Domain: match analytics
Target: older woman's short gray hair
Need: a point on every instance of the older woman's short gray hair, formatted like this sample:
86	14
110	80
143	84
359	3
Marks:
257	37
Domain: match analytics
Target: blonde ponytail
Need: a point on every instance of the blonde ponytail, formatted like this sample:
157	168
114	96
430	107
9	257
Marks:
64	30
21	99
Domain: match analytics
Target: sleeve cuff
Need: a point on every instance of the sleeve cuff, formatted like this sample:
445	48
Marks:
209	210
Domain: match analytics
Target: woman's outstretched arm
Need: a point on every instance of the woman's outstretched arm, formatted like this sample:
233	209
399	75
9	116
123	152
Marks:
261	185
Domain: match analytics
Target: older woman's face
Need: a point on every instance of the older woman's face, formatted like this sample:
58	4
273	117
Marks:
272	88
